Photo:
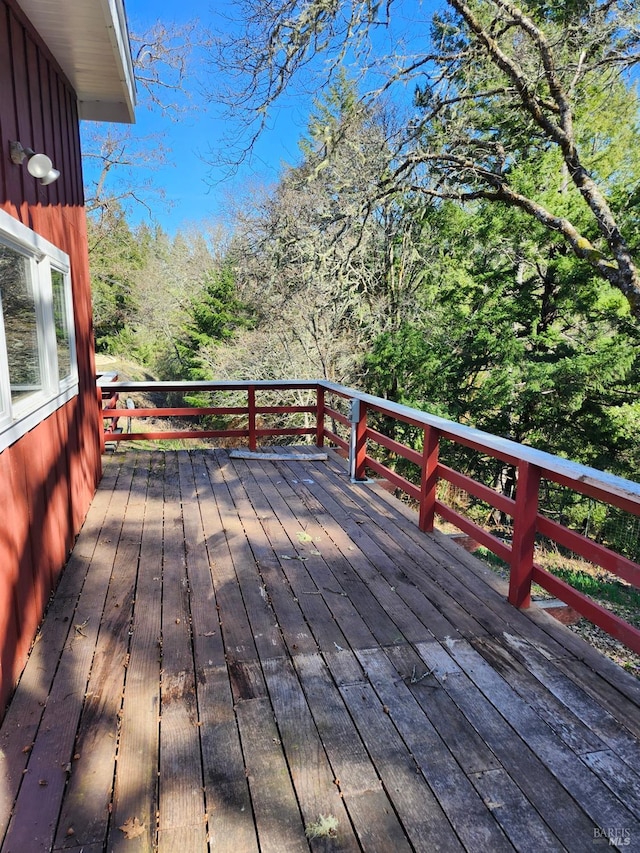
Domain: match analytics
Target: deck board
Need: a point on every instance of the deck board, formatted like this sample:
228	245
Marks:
238	647
135	786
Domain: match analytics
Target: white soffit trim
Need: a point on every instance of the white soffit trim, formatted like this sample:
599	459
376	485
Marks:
90	41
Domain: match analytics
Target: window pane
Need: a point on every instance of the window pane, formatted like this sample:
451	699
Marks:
20	324
63	338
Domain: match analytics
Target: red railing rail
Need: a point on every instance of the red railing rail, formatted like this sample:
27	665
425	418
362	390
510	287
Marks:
251	412
350	418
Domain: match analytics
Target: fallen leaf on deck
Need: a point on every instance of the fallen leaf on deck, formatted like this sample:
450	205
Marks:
132	828
303	536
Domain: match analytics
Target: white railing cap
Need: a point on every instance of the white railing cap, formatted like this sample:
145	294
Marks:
554	464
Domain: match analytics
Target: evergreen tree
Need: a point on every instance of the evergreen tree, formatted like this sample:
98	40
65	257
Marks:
115	256
214	317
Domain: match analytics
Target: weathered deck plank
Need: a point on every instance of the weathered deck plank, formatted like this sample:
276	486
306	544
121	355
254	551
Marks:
24	715
37	808
85	814
229	816
238	647
182	805
135	791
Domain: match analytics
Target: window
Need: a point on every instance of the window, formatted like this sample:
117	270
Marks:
38	371
20	324
61	320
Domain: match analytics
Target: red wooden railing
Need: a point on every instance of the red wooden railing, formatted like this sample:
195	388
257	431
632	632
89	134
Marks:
113	392
348	429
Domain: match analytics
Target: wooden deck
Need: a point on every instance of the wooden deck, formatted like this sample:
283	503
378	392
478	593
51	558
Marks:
237	648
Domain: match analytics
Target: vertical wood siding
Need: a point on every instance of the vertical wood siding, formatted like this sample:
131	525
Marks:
48	477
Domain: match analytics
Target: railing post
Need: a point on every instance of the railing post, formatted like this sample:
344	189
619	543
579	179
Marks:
320	416
357	441
251	394
429	479
524	534
100	419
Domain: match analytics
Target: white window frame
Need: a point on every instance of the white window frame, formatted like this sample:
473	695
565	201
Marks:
16	419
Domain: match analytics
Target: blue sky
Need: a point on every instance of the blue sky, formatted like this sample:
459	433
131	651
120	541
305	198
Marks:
195	188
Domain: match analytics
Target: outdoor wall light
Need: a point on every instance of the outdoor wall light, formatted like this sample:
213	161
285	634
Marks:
38	165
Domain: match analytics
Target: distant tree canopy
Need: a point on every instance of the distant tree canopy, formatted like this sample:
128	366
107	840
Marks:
495	84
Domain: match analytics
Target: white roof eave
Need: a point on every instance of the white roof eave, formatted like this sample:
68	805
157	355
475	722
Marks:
90	41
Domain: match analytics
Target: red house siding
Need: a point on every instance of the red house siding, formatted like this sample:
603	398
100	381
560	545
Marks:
49	476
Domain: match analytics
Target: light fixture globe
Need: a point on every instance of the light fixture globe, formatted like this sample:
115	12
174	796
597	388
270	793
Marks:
51	176
39	165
